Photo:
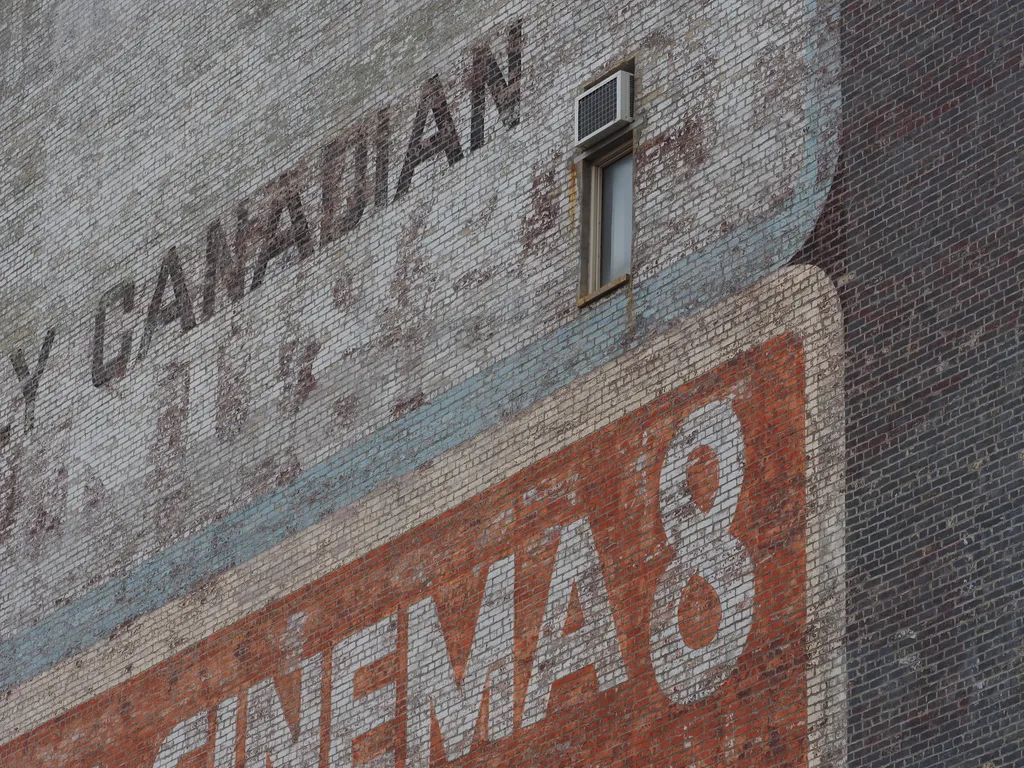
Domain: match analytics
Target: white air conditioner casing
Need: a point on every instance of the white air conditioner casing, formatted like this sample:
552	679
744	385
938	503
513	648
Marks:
604	108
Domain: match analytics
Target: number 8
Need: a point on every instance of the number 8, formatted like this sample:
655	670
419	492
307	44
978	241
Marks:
703	546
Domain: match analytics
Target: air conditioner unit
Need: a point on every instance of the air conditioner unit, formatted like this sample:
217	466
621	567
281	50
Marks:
604	108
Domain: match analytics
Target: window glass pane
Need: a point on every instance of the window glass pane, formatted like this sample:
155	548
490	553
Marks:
616	218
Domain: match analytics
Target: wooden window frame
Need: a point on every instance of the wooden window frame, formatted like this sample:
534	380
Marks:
590	173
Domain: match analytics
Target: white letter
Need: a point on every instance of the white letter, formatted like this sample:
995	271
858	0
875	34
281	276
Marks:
703	547
269	734
596	642
432	683
227	730
187	736
352	717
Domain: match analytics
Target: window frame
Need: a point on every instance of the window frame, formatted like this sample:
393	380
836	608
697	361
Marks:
591	166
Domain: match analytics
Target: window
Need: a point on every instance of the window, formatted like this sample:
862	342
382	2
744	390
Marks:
607	208
616	189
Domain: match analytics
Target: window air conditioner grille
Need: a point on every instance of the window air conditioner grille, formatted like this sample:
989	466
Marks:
604	108
598	108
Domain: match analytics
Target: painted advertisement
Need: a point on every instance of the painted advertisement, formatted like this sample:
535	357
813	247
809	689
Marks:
659	590
348	227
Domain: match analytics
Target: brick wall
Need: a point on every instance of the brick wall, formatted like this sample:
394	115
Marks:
254	136
308	454
924	240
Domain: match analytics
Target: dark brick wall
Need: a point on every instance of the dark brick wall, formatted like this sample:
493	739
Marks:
923	234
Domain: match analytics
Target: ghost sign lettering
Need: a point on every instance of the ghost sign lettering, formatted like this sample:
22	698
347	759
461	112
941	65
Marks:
386	240
640	596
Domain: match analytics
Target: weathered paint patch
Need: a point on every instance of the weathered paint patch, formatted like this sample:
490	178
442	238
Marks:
409	305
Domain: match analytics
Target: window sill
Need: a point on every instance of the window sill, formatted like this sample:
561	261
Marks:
618	282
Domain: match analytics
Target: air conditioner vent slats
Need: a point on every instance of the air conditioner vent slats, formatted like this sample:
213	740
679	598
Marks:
598	108
604	108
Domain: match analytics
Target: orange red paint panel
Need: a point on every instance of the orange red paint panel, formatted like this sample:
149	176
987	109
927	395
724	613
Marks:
581	613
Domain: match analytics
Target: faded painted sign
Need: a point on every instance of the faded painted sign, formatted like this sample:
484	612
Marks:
281	237
639	597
